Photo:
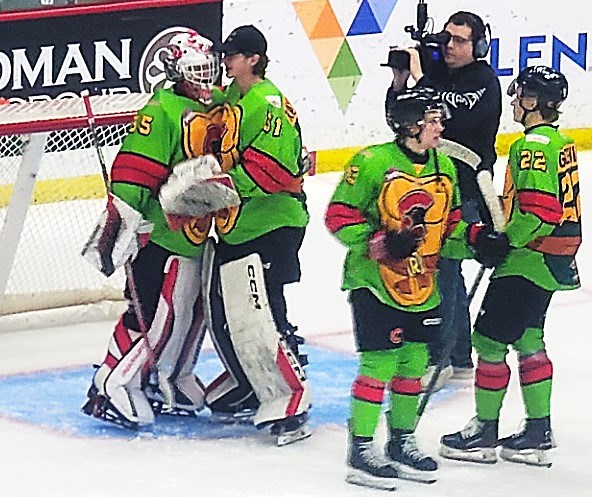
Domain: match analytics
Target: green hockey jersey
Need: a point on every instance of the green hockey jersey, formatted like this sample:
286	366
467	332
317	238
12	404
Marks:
170	129
542	208
382	189
269	176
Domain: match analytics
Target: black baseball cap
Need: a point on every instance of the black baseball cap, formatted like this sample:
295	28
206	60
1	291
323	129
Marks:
246	40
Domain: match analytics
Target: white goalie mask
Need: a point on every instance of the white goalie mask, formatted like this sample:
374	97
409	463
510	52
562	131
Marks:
191	59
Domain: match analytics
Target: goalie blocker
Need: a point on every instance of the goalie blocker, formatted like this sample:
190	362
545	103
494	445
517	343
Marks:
263	371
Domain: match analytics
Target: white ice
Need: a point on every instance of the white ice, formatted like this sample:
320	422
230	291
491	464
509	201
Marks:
35	462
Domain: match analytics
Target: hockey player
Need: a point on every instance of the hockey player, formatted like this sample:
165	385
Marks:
542	206
257	254
396	205
156	341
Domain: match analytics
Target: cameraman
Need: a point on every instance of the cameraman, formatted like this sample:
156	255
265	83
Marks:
471	89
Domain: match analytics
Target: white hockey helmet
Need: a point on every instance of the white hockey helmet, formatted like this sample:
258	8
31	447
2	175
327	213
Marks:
190	58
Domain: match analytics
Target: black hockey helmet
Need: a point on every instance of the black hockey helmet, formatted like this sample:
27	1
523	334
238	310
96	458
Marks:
545	84
409	108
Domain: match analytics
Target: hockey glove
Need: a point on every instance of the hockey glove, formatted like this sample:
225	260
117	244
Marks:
196	188
392	245
118	236
490	248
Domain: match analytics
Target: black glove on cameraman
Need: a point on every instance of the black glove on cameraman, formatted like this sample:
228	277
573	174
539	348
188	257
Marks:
490	248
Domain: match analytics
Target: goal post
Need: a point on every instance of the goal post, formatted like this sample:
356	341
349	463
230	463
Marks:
51	195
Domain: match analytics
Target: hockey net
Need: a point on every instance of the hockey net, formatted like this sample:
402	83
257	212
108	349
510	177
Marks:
52	192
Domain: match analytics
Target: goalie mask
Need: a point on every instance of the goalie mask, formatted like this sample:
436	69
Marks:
190	59
410	108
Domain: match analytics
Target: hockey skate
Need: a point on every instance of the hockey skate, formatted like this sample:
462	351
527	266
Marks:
367	468
181	397
124	405
530	446
98	406
242	416
476	442
290	430
406	457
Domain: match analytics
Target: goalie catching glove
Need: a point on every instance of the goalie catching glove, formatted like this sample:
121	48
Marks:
196	188
118	236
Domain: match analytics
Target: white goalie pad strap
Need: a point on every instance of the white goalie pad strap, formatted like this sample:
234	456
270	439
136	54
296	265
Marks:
196	188
273	371
118	236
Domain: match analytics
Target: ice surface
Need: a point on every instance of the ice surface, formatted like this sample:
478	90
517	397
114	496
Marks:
44	374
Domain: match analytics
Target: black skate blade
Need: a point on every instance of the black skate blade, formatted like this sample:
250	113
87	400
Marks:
480	456
290	437
100	408
530	457
363	479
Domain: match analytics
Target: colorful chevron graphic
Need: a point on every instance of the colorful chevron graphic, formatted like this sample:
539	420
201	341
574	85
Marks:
330	41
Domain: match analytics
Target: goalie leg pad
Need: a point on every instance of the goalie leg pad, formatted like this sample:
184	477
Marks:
118	380
230	396
273	370
176	336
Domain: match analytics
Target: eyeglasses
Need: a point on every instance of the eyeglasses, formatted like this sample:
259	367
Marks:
459	40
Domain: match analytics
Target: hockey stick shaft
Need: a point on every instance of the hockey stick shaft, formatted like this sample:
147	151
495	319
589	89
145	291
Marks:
129	273
460	152
485	182
475	285
429	390
90	117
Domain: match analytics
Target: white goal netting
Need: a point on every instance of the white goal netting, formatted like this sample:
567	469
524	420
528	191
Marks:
51	195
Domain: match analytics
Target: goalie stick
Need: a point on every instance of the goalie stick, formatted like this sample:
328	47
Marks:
128	265
485	182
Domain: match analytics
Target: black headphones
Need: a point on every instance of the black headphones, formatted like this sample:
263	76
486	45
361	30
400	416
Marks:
481	44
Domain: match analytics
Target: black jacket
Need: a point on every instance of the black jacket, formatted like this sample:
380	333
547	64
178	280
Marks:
473	95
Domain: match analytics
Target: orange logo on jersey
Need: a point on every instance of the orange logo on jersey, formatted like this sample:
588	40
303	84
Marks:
197	229
225	219
214	132
421	205
290	112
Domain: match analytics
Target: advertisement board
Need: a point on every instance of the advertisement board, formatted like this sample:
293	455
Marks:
326	55
106	49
